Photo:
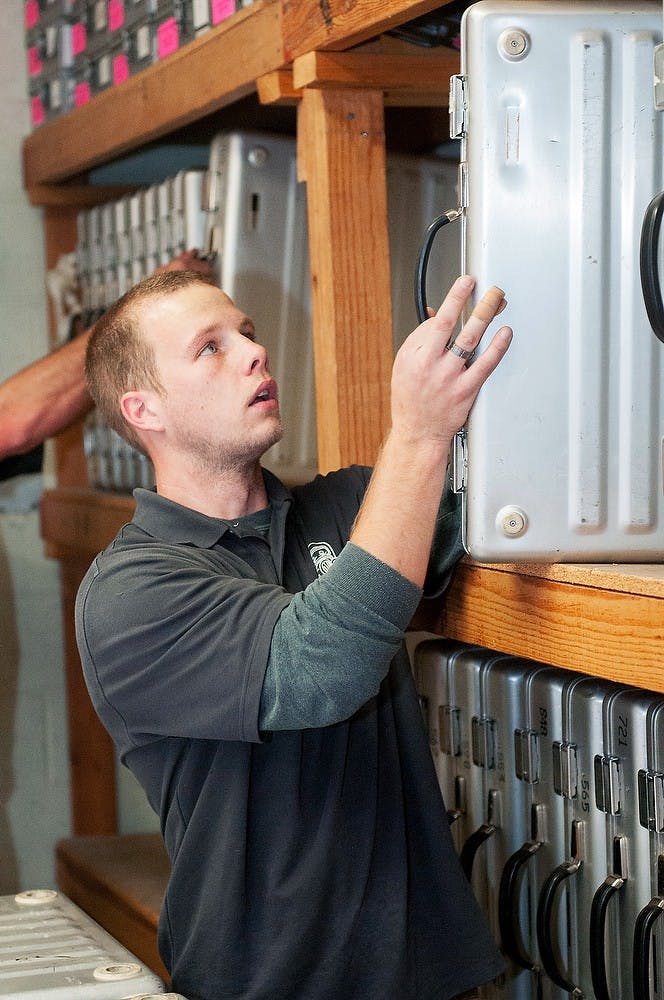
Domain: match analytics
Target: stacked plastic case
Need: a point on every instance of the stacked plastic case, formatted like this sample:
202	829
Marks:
554	786
78	48
48	41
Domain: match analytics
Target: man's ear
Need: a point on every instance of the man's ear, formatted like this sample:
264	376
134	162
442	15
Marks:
139	409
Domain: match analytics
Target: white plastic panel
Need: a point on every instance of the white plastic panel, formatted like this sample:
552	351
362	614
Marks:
51	950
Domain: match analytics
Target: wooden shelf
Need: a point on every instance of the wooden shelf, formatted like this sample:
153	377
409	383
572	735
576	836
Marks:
606	620
202	77
77	524
120	881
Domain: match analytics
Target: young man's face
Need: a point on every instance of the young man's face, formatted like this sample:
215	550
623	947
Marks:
220	404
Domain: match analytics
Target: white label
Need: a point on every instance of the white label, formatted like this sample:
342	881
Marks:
200	10
104	70
143	42
100	21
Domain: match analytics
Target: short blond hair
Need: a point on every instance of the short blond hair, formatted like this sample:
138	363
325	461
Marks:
118	357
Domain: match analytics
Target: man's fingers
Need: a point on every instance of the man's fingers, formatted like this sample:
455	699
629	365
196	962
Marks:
488	306
490	357
455	300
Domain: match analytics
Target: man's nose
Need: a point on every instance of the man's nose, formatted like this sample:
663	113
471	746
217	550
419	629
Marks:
254	355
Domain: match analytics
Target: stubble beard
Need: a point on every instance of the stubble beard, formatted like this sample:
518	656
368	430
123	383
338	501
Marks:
242	455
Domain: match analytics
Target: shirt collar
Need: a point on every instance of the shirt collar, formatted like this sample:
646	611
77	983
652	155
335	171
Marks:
173	522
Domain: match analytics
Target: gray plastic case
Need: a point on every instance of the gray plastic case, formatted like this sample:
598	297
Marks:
561	151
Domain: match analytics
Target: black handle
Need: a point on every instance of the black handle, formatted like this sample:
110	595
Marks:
652	292
472	845
601	900
423	260
545	913
510	935
642	933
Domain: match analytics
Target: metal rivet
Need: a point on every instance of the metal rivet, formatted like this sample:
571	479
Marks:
258	156
513	43
511	522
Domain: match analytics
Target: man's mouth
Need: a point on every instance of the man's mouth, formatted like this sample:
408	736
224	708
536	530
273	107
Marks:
267	392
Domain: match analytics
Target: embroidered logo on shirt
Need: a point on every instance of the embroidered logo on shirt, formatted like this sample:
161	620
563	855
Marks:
323	556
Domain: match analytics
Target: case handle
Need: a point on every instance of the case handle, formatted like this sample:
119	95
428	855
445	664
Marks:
510	935
600	904
472	845
545	913
423	260
650	284
642	934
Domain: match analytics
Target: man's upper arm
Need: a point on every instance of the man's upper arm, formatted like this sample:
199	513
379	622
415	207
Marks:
171	648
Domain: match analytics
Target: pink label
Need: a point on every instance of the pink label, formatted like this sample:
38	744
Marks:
34	61
31	14
120	69
81	94
115	14
37	113
168	38
221	9
79	38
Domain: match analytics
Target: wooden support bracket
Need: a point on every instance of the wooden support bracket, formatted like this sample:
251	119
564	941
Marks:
277	88
404	79
421	80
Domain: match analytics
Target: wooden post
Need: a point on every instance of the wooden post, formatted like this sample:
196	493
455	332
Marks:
341	156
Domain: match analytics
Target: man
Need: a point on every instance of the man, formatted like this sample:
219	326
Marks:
50	394
243	646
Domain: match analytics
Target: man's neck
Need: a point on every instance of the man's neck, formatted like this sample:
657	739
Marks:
229	494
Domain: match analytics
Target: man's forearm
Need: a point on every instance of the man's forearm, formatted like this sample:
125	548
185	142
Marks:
43	398
398	515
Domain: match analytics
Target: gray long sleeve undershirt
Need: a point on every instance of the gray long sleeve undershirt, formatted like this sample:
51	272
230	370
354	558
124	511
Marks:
333	644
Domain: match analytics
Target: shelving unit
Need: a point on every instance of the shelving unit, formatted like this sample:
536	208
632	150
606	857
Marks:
601	619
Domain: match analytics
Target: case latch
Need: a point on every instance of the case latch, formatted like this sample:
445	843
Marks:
565	769
457	106
607	784
659	78
459	462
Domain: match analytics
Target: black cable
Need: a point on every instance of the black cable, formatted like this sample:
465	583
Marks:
652	293
423	260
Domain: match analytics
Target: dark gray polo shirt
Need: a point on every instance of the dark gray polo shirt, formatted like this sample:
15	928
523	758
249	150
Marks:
311	863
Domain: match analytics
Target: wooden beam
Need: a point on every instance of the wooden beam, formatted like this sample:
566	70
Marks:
341	156
91	755
400	88
80	523
203	76
338	24
423	71
601	622
77	195
277	88
76	525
